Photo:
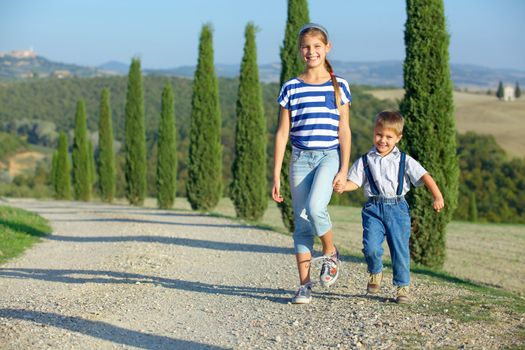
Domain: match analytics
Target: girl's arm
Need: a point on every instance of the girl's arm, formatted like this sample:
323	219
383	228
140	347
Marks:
345	141
429	182
281	139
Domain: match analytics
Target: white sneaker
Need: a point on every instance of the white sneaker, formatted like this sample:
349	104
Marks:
303	294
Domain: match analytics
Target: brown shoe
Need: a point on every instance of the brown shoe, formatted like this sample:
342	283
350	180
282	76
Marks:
403	295
374	282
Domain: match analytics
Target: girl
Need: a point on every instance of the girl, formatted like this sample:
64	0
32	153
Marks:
315	113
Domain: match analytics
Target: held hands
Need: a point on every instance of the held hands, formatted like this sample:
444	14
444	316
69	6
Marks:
339	183
339	187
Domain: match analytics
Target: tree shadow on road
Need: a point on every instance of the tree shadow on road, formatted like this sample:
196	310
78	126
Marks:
103	330
112	277
155	222
187	242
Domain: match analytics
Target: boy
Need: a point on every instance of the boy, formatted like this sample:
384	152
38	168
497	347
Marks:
386	174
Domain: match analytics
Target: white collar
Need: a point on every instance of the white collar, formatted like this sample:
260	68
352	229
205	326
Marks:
394	153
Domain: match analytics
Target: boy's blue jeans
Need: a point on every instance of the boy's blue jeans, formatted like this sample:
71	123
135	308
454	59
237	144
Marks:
311	177
390	218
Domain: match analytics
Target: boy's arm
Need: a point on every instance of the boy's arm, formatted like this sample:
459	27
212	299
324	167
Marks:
429	182
348	186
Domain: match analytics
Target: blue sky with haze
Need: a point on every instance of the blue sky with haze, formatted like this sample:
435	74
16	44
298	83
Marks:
165	33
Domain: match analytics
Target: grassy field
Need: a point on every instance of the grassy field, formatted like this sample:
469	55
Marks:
490	254
483	114
19	230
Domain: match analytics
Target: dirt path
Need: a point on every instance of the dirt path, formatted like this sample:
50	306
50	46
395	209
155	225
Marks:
120	277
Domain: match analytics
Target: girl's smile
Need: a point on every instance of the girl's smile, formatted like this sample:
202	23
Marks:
314	50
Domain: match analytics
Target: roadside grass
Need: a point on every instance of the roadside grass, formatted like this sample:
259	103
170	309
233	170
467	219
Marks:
482	303
19	230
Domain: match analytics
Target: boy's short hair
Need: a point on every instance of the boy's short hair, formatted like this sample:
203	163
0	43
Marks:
390	120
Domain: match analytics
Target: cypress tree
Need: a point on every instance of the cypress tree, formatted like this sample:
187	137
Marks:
167	152
291	66
205	154
249	187
80	156
53	173
106	156
92	166
61	169
135	138
430	133
499	92
517	90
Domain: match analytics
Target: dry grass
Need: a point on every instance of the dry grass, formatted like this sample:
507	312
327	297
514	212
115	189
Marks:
24	162
484	115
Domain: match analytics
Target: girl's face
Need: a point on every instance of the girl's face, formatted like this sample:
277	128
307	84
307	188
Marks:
385	140
313	50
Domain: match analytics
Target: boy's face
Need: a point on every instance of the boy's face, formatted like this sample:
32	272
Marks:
385	140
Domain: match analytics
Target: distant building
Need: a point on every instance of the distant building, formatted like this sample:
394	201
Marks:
23	54
61	74
508	93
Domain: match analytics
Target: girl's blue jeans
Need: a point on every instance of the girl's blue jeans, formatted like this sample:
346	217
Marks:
390	218
311	177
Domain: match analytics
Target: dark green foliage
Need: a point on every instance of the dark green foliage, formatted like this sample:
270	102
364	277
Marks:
153	154
291	63
80	156
497	183
517	90
92	166
53	173
291	66
61	169
249	187
9	145
499	91
430	133
167	152
204	184
472	207
106	155
135	137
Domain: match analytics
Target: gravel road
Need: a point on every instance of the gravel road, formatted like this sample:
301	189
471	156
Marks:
115	276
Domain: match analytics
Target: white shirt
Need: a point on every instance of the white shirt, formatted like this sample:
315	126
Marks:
385	171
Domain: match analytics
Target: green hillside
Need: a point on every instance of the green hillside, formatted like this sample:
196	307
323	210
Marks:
491	186
40	108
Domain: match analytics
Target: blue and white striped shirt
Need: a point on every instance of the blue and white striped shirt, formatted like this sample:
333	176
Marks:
313	112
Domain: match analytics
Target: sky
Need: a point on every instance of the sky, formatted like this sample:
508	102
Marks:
165	33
